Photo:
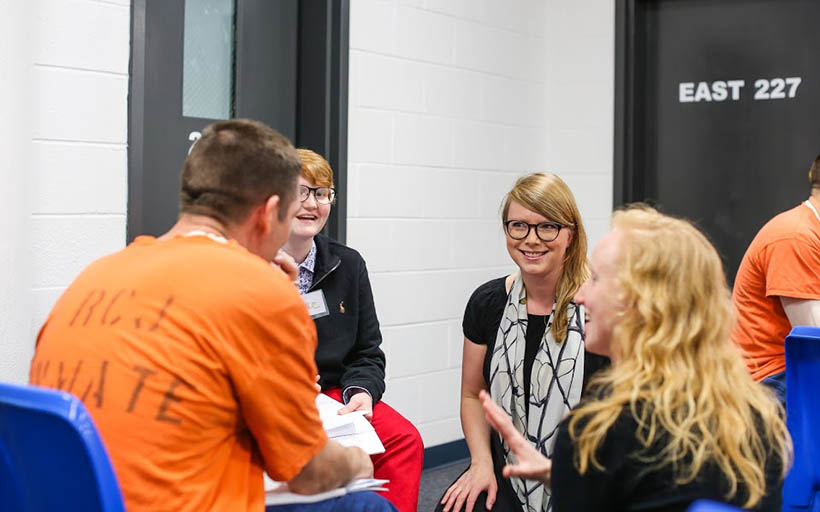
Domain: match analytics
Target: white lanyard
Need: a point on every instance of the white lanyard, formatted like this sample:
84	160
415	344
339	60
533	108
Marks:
808	203
212	236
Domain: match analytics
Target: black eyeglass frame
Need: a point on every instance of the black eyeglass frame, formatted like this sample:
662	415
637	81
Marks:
314	190
529	228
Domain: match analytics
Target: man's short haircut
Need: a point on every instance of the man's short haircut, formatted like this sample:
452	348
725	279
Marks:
814	173
236	166
315	168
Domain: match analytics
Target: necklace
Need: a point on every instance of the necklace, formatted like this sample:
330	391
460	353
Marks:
812	208
213	236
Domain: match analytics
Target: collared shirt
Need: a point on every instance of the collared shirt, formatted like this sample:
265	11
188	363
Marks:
306	270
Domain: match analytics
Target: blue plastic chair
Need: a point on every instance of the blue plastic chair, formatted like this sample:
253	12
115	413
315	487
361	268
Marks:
711	506
802	485
51	456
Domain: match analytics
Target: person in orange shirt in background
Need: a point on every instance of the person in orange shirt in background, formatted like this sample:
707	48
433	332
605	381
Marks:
194	355
778	287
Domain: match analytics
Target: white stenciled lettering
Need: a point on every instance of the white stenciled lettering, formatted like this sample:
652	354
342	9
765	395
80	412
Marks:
793	82
719	90
778	84
775	88
761	89
685	91
702	92
731	90
736	86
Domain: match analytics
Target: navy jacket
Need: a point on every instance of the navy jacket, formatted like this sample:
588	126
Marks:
349	352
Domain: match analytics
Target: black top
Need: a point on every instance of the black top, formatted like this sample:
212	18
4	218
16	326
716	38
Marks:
349	352
482	317
627	484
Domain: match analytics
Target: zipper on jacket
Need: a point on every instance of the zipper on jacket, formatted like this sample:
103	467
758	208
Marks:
323	276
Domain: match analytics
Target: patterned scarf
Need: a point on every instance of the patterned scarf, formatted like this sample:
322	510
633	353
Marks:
555	384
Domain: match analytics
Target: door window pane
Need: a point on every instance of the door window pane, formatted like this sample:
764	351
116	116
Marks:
207	75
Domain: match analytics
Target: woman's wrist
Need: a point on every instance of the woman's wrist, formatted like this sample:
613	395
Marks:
481	461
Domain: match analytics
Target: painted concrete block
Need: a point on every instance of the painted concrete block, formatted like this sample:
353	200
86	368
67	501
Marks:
79	106
62	245
69	32
71	177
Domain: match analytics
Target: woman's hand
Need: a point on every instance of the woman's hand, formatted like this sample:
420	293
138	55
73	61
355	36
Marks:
479	477
532	465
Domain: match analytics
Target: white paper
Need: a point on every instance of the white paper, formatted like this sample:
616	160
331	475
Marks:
277	493
351	429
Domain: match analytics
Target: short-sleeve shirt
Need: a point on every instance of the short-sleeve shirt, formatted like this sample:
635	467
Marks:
482	316
783	260
195	360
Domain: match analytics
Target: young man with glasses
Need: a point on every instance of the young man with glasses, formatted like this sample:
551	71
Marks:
349	357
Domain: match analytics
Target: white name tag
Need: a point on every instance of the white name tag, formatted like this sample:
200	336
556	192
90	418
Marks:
316	304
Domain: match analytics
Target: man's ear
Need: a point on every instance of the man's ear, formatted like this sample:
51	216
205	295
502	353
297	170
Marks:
269	213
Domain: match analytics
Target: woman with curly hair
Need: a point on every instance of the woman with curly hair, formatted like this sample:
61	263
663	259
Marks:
677	417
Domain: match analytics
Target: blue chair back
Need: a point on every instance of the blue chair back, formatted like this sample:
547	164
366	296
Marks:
711	506
51	456
800	490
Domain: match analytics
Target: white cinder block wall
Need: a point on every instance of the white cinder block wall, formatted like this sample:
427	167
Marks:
450	101
580	107
15	136
75	167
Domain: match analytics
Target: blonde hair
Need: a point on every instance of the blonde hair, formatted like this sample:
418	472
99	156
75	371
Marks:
685	383
315	168
546	194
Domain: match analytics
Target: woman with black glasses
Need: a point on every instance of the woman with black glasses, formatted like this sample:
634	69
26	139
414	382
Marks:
524	344
333	278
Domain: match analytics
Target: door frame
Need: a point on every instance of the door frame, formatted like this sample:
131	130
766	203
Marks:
628	177
322	100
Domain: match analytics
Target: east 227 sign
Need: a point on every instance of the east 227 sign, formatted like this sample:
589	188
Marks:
732	90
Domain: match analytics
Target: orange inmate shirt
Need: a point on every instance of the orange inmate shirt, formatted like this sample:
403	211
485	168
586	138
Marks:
195	359
783	260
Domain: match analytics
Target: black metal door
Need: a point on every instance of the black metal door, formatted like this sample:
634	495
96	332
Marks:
716	111
197	61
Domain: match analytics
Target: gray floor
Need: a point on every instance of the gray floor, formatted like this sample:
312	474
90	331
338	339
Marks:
435	481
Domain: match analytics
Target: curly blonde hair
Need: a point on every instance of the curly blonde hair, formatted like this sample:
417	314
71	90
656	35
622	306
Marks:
682	379
546	194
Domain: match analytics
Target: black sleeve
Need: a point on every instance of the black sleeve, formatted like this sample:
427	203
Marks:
594	490
483	312
364	364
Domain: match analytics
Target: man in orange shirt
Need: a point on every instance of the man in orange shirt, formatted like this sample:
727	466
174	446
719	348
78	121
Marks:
778	286
193	354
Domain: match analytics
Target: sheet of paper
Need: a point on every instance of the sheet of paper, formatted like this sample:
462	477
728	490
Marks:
327	406
277	493
348	429
367	441
342	424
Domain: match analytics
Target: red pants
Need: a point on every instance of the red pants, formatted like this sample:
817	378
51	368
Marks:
403	456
